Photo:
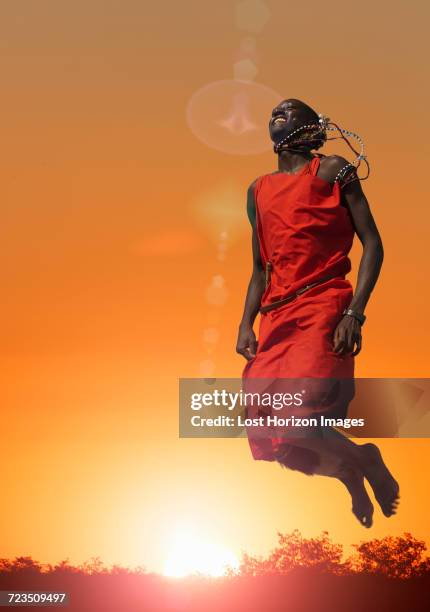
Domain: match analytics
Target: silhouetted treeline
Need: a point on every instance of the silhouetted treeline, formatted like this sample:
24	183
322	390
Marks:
393	557
298	575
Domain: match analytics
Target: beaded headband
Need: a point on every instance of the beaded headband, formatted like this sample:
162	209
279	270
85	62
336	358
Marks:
325	125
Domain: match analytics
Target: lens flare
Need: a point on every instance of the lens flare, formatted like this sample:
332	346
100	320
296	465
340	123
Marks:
232	116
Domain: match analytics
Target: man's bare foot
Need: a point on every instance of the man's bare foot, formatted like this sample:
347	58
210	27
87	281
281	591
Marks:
385	487
362	507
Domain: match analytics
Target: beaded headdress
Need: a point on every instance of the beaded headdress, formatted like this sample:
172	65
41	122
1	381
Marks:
313	135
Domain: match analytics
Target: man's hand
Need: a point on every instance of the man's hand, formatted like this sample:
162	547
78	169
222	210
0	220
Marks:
246	342
346	336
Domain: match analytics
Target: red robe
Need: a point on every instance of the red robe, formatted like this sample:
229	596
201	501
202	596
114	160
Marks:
306	234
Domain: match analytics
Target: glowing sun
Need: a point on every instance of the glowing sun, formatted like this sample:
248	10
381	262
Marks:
190	554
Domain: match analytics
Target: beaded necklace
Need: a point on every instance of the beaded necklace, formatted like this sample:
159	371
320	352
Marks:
319	136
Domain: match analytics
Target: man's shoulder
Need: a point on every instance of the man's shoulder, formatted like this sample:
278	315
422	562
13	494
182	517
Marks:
250	201
253	185
252	189
334	162
331	165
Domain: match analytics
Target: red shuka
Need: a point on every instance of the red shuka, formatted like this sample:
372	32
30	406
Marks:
306	234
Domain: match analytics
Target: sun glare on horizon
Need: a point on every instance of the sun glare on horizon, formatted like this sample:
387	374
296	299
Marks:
192	554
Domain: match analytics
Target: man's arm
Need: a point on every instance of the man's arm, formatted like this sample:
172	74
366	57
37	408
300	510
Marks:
348	332
247	342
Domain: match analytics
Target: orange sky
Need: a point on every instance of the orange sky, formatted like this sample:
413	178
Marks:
110	234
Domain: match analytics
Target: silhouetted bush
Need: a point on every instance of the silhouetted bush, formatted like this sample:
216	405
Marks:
293	552
395	557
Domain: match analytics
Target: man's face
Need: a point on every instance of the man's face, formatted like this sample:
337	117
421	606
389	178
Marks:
287	116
